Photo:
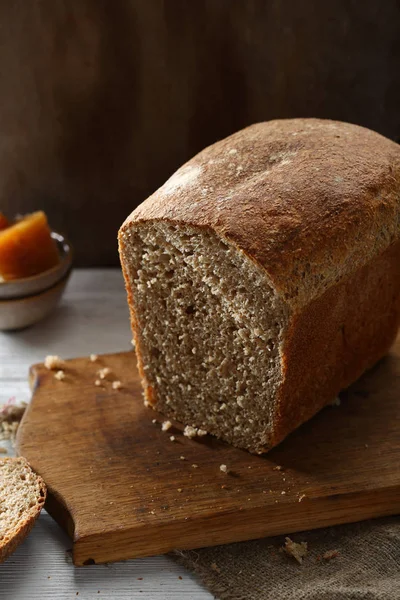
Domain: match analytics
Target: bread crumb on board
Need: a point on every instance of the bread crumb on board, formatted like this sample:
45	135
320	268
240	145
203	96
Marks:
53	362
104	373
60	375
192	432
301	497
224	468
97	382
172	438
94	357
166	425
116	385
297	551
277	468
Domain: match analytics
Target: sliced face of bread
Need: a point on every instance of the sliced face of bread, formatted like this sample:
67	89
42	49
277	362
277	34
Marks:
210	331
22	496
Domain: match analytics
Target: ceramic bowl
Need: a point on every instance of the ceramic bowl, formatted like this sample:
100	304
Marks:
18	313
21	288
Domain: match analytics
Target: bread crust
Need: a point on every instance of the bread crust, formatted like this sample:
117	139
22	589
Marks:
336	338
309	200
10	544
316	205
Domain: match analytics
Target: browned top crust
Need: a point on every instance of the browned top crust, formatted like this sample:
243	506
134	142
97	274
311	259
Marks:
308	199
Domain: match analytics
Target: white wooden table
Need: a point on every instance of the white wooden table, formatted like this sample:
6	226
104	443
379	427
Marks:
92	317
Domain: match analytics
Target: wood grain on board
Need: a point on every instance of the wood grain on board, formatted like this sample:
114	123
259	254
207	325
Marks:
121	488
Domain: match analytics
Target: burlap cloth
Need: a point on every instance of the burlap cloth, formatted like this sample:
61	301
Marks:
367	566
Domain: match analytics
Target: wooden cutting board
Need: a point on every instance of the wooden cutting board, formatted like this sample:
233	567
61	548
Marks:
121	488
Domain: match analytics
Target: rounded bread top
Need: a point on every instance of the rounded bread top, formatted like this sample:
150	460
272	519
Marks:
308	199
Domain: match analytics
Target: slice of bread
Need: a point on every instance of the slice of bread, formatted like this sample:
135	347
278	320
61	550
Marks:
22	496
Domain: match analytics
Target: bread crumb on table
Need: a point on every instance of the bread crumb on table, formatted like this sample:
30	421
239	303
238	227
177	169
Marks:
223	468
93	357
182	458
301	497
195	466
53	362
60	375
330	554
116	385
297	551
277	468
97	382
11	414
166	425
172	438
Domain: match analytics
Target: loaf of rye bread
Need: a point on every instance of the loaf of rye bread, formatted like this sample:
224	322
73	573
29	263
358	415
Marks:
264	276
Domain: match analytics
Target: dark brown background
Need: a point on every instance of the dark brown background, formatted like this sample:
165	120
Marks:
101	100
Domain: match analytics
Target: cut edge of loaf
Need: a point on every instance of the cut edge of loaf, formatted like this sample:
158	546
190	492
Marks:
209	328
22	497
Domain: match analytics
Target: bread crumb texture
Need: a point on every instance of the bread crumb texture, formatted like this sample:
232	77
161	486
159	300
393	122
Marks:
22	496
116	385
297	550
166	425
94	357
191	309
53	362
60	375
224	468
